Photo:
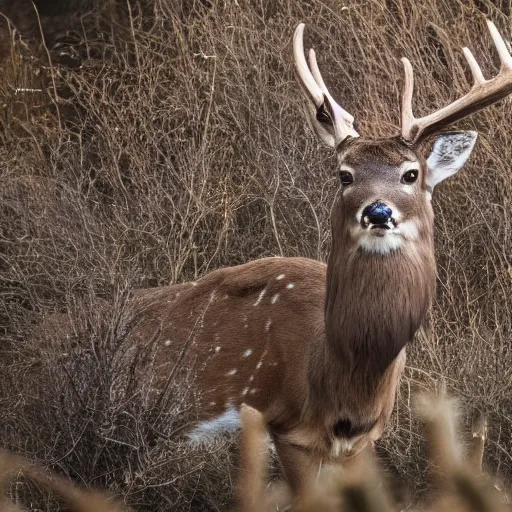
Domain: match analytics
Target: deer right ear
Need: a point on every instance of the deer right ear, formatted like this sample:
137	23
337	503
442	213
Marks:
449	153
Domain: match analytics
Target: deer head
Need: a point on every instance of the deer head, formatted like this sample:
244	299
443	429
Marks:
381	268
387	184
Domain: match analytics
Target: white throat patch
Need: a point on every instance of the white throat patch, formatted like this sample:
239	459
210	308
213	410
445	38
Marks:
380	244
385	241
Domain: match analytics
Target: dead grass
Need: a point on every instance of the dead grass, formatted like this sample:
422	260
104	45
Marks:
179	146
460	484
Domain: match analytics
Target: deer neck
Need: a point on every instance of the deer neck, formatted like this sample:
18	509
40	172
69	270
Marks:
374	305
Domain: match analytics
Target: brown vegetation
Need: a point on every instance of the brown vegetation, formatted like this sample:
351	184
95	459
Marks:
145	143
361	486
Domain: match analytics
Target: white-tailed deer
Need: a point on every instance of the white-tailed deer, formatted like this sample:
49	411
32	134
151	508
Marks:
319	349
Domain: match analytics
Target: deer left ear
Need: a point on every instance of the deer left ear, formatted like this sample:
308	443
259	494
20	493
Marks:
449	153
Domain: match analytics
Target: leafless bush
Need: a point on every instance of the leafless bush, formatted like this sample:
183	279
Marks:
88	410
148	142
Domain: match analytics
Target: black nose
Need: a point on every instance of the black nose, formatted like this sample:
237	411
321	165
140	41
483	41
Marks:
377	213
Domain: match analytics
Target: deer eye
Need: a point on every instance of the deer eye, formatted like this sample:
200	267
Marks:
410	177
346	178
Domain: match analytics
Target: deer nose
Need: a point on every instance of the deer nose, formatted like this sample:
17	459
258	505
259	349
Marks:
377	213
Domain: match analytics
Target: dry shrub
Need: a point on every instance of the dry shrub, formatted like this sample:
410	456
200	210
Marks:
147	142
88	410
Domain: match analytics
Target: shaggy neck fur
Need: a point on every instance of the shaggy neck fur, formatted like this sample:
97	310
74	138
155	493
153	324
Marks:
374	305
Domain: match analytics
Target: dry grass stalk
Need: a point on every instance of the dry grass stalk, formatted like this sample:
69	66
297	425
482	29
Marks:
80	500
477	443
254	462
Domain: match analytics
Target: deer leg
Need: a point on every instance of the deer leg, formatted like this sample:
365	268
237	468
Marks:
300	465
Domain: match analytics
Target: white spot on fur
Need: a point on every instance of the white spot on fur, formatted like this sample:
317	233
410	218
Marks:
274	298
260	362
244	392
217	350
279	277
252	391
251	378
289	286
167	343
212	404
231	372
260	297
268	324
228	421
247	353
193	284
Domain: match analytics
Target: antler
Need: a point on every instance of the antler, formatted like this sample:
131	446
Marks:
482	93
342	121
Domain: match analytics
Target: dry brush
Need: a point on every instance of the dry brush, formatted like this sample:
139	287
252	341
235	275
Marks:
145	143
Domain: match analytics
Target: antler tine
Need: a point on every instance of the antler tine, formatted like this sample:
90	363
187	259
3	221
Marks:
316	71
343	122
478	77
341	113
302	67
482	93
505	57
407	115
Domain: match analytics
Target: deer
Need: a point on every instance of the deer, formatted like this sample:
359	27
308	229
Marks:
318	348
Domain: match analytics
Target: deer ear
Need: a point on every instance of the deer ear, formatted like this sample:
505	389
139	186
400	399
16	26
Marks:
449	153
320	121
